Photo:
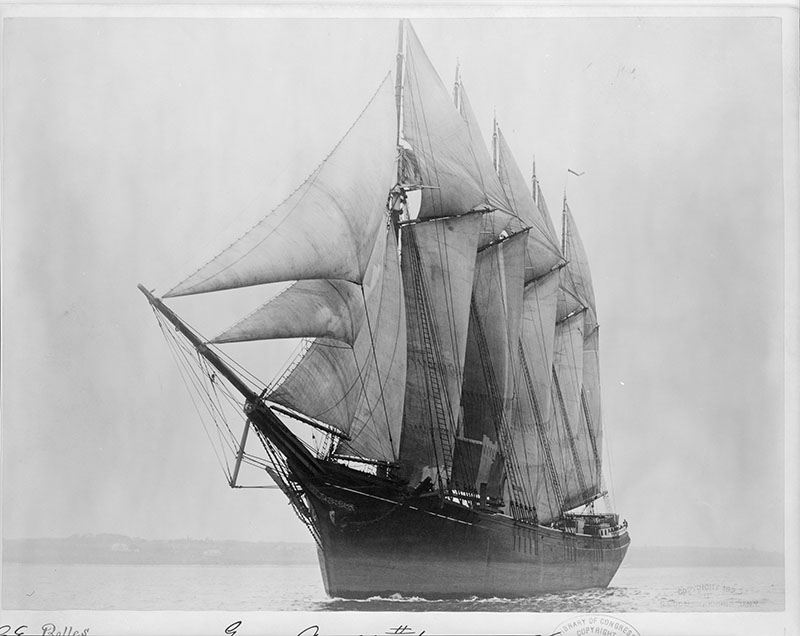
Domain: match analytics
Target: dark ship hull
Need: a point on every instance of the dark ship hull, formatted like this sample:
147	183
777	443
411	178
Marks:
432	549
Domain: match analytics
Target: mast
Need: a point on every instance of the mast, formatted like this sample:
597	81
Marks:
397	196
457	87
398	86
495	153
564	225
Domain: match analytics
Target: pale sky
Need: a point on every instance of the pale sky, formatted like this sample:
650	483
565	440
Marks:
134	149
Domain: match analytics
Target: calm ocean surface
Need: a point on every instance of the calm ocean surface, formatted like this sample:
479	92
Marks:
299	588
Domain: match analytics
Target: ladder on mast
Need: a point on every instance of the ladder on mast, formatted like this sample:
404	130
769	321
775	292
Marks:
441	425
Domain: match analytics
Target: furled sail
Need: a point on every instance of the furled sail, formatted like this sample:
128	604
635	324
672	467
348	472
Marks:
359	388
491	362
438	265
543	253
339	205
455	176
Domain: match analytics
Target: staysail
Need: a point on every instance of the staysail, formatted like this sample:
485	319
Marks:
308	308
339	204
357	388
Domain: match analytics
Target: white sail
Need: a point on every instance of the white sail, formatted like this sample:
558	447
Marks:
538	334
567	377
576	280
339	205
591	403
438	267
455	176
579	279
567	303
535	426
503	219
492	351
543	253
541	204
307	309
359	389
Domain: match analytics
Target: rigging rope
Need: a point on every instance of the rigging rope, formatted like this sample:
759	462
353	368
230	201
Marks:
186	374
197	375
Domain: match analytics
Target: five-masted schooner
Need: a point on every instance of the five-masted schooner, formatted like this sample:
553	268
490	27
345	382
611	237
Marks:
451	360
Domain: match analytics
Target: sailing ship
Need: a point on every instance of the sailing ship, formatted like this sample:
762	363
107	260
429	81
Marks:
449	368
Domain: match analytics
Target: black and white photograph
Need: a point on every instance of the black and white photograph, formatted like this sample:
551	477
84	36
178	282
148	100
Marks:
354	319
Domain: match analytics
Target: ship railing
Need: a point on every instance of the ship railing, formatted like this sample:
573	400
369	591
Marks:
377	467
593	525
470	499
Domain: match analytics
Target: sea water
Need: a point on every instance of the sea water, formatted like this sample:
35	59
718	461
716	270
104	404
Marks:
299	588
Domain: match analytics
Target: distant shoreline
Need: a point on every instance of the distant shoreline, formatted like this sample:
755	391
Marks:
122	550
652	556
